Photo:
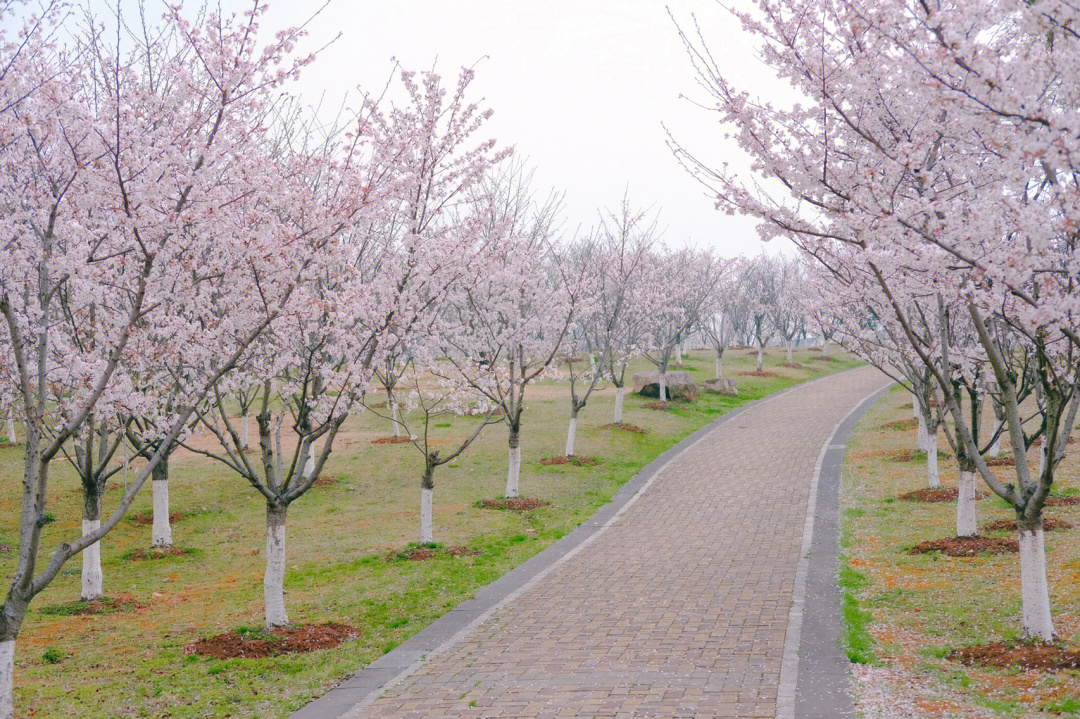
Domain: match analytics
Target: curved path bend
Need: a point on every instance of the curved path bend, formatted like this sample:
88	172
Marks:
687	601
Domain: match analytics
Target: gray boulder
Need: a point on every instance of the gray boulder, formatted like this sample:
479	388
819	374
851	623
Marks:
722	385
680	385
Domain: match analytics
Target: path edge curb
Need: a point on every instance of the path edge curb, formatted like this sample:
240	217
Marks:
359	690
824	571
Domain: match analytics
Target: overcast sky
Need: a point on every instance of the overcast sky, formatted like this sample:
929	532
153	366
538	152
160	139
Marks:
582	88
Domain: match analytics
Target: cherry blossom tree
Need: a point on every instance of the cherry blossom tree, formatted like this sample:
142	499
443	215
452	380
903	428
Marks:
520	310
719	327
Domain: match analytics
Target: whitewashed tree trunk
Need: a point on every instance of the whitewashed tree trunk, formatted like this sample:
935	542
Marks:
663	393
719	366
309	465
915	408
995	448
618	403
965	506
923	436
789	346
760	357
12	437
1036	596
92	579
513	472
274	579
932	476
825	347
394	417
426	533
247	433
7	679
571	435
161	532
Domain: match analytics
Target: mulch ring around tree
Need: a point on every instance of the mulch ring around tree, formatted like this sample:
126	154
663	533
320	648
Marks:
658	405
574	460
390	440
259	643
517	503
147	518
425	552
1009	525
901	424
155	553
4	444
1063	501
824	358
1000	462
945	494
794	365
756	373
324	480
633	428
101	605
1003	655
1038	441
459	551
968	546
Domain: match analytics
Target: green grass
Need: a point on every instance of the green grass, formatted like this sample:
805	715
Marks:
338	540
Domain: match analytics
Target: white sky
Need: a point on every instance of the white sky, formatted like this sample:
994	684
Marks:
578	87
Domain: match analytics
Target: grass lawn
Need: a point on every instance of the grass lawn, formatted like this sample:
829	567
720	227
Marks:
905	612
341	543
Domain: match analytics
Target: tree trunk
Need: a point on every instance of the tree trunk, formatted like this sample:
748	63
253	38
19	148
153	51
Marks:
309	465
760	358
966	525
789	345
933	478
426	534
7	678
618	404
1038	623
246	432
678	354
571	434
514	469
915	409
394	417
922	438
663	393
995	448
274	579
12	437
720	365
161	533
91	556
825	347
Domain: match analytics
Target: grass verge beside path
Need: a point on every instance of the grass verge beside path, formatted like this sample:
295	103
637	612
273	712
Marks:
345	553
905	612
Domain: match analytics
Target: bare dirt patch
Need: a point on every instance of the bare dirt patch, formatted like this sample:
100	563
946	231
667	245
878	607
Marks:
633	428
574	460
755	373
273	642
324	481
1000	462
1009	525
1038	656
1063	501
794	365
390	440
658	405
147	518
823	358
945	494
518	503
459	551
901	424
4	444
968	546
1038	441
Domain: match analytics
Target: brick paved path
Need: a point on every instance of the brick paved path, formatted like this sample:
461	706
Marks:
679	608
